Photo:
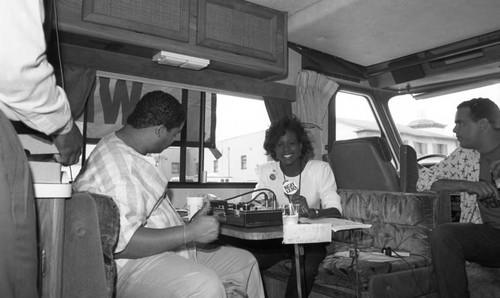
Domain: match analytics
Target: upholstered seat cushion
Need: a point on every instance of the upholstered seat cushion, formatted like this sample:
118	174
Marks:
402	221
340	270
91	233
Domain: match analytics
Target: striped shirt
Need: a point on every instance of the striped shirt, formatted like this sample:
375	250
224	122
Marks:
135	183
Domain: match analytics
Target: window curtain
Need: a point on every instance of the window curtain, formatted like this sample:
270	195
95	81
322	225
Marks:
78	84
277	108
314	92
115	96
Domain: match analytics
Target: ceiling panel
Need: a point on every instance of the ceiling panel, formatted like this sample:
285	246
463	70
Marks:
370	32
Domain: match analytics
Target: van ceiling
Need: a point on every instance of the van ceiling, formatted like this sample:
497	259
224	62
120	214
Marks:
370	32
373	32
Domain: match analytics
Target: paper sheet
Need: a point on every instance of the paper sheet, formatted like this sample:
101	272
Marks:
313	233
337	224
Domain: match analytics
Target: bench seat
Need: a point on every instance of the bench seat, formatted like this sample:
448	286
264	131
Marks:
402	221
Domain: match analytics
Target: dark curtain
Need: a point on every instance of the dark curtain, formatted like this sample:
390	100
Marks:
277	108
78	83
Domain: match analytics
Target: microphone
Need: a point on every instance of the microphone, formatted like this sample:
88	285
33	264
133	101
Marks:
289	188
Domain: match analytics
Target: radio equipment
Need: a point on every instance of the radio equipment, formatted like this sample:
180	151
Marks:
244	214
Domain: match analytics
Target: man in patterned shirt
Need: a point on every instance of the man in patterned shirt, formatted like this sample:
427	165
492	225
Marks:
471	169
158	255
460	171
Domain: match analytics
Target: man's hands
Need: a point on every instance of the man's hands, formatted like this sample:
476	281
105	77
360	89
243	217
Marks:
204	228
69	146
483	189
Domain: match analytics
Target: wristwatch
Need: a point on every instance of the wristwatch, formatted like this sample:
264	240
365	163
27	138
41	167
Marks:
316	213
313	213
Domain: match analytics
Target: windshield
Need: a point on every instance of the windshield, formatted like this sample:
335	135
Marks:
427	124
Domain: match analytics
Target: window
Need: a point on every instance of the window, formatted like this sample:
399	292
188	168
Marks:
420	148
175	168
440	149
239	126
354	117
240	131
243	162
429	120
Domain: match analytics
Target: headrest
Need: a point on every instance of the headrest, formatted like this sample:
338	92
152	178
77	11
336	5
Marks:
364	163
378	143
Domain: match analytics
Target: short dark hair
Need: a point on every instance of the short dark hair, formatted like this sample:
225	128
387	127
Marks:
481	108
279	129
157	108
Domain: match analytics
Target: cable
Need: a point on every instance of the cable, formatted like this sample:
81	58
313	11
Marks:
249	192
58	43
157	204
59	58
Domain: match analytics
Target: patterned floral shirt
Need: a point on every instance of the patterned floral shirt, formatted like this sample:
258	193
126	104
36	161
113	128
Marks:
461	164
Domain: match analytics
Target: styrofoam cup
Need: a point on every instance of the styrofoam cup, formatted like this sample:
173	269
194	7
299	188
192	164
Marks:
193	204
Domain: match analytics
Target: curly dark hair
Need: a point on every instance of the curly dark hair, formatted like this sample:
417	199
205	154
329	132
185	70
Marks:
157	108
481	108
279	129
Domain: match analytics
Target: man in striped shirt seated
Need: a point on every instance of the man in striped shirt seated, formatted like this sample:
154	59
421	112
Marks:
157	253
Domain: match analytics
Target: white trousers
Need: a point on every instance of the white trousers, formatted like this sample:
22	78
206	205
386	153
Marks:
219	272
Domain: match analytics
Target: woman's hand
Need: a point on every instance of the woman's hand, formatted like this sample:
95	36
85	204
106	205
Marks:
302	202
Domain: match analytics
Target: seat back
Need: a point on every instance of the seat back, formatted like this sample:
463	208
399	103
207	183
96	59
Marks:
90	237
409	171
364	163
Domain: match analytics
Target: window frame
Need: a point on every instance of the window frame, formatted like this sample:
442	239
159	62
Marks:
378	102
243	159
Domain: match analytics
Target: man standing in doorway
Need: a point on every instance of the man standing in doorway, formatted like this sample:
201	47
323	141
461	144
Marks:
28	93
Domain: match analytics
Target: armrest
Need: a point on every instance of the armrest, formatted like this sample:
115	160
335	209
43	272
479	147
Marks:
443	207
86	250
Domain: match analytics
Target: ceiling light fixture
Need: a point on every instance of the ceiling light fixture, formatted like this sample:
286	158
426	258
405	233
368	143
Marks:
182	61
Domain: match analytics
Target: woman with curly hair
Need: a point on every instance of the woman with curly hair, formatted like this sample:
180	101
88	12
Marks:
289	146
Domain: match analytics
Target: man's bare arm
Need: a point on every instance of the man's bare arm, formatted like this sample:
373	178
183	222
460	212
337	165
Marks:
481	188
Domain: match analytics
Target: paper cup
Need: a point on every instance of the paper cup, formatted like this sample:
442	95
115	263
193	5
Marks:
290	215
193	204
